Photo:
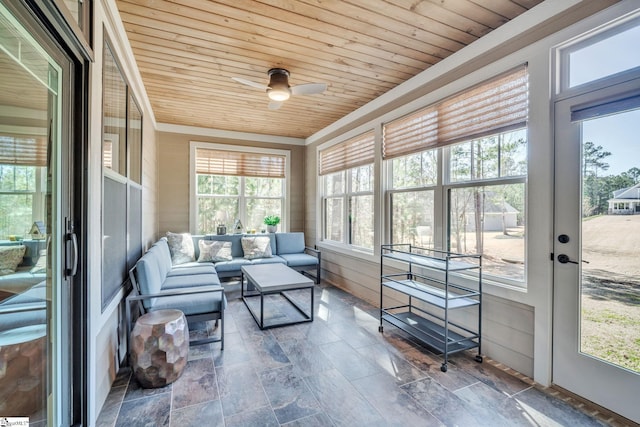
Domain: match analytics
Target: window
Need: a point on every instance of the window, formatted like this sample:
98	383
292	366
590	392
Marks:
231	184
468	155
21	199
348	206
608	49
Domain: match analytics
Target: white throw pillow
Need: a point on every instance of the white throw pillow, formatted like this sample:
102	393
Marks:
181	248
256	247
10	258
214	251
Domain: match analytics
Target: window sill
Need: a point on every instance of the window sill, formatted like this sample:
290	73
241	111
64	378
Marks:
349	251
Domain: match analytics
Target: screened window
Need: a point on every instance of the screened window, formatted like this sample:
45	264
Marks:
238	185
468	155
348	205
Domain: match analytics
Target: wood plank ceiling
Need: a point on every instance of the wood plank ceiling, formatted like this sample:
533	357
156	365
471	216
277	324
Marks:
189	50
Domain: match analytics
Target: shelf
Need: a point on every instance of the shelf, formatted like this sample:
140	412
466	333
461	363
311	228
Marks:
432	295
431	285
430	262
429	332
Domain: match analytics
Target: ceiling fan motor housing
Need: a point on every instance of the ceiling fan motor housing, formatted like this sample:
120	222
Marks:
278	84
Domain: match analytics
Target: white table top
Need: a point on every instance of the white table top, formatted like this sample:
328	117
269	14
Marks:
275	277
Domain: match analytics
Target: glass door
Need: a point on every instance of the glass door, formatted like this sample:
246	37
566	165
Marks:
35	202
596	344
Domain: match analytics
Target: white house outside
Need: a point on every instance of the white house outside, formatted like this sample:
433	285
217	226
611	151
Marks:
625	201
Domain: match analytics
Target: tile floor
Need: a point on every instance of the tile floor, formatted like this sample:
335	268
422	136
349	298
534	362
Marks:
336	371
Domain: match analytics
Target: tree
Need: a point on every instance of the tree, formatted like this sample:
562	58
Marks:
593	162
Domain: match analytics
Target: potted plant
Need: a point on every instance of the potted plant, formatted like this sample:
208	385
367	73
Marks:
272	222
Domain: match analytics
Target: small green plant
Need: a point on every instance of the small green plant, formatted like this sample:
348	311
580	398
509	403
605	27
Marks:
272	220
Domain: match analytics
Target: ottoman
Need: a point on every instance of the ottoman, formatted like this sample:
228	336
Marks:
159	347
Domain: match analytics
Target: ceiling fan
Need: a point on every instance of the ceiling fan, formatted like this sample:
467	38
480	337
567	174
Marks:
278	89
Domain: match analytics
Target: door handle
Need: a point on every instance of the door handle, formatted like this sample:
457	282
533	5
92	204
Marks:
564	259
71	236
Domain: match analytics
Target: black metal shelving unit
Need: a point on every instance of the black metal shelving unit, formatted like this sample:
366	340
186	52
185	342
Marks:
428	279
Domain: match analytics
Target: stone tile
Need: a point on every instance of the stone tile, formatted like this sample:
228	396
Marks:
266	352
240	389
317	420
396	406
202	414
263	417
147	411
288	394
135	390
491	406
197	384
488	374
235	351
306	357
392	363
354	335
111	407
348	361
442	403
545	410
341	401
317	332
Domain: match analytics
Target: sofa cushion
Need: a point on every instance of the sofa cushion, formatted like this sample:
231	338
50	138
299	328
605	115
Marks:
256	247
180	247
149	279
187	269
290	243
298	260
190	281
191	304
10	258
214	251
272	260
234	265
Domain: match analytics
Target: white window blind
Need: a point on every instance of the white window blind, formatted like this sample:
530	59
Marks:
237	163
22	151
498	105
353	152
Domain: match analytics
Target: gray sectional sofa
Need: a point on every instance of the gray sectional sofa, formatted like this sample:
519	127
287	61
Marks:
285	248
183	272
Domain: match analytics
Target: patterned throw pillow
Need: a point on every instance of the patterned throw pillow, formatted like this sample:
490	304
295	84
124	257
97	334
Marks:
181	248
214	251
10	258
256	247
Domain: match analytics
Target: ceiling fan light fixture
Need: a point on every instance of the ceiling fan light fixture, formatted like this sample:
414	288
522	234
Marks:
279	94
278	85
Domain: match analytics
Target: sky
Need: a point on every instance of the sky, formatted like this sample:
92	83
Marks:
619	133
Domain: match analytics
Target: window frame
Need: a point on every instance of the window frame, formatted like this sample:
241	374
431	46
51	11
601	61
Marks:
193	196
441	227
347	196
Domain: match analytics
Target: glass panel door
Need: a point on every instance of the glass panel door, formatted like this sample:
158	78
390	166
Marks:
596	351
31	213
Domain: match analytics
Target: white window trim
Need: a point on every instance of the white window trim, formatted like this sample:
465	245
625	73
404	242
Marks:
343	248
193	200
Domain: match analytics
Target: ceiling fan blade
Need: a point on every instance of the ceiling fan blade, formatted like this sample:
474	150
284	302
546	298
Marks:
308	89
250	83
275	105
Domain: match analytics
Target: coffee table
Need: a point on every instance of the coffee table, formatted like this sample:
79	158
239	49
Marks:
269	279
